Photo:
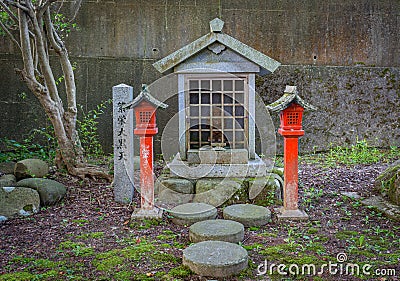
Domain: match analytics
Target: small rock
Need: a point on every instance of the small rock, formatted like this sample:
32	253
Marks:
351	194
7	167
31	168
390	210
16	201
50	191
215	258
189	213
247	214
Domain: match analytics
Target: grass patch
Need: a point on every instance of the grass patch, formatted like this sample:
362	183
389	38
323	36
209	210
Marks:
93	235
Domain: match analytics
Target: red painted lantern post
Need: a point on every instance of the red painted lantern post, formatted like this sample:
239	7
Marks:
291	130
291	108
145	107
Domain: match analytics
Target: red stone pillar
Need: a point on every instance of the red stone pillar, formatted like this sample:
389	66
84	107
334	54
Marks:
145	107
291	131
146	172
290	189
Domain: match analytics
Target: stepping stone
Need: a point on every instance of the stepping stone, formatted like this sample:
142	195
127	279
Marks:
217	230
215	258
190	213
247	214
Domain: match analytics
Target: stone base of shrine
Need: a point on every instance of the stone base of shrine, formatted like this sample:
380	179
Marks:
284	214
253	168
140	214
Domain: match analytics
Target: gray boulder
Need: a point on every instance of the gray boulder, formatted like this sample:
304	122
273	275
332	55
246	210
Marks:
31	168
50	191
7	167
18	201
7	180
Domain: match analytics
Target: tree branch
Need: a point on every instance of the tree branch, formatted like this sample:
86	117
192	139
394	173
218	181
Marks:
17	5
8	11
10	35
37	23
25	44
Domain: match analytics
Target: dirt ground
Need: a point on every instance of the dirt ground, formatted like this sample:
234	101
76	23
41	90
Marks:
88	236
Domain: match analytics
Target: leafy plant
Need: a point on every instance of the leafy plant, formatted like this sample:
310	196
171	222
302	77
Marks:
39	144
359	153
87	127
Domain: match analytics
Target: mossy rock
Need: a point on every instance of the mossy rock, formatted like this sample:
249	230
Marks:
388	183
50	191
31	168
7	167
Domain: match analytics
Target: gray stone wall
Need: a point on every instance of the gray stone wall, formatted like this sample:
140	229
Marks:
342	55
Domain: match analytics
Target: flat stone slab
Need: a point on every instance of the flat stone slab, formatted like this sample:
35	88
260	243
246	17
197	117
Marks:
215	191
295	215
248	214
216	230
215	258
178	185
254	168
212	156
190	213
390	210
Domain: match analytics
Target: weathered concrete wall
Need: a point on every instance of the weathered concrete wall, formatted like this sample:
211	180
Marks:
353	103
119	40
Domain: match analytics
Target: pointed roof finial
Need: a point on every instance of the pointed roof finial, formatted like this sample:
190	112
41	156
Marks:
290	95
216	25
146	96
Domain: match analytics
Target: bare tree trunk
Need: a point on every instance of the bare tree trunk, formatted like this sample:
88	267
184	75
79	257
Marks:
36	36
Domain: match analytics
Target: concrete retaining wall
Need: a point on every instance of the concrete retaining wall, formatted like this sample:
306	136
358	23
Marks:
342	55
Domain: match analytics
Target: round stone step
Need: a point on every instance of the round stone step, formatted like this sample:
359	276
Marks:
216	230
215	258
247	214
190	213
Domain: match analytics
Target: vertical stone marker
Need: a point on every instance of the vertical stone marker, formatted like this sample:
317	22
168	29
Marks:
123	144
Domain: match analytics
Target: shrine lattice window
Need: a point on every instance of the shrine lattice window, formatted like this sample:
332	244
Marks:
217	114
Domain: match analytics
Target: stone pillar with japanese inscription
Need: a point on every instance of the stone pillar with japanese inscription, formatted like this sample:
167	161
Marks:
123	144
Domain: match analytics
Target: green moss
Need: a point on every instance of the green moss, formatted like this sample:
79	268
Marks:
17	276
323	238
253	246
143	277
364	253
79	249
80	222
109	263
124	275
21	260
137	251
164	257
181	271
93	235
45	263
346	234
268	234
28	208
312	230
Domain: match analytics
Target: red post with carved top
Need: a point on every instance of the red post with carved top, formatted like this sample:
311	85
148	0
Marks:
291	130
146	128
